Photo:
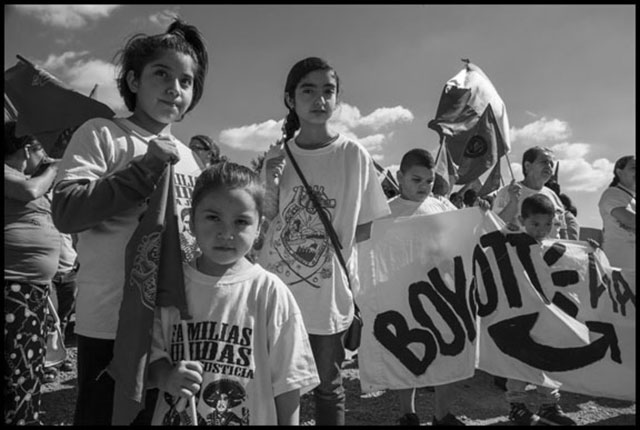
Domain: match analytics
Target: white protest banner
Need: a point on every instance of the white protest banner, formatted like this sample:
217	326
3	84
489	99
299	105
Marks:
414	277
557	287
552	314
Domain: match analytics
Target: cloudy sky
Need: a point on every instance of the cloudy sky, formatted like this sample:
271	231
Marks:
566	73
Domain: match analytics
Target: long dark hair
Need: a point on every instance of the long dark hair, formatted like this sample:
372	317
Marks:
620	164
12	143
141	49
299	70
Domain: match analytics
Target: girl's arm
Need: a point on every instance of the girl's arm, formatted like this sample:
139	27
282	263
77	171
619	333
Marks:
274	162
80	204
625	217
288	408
29	189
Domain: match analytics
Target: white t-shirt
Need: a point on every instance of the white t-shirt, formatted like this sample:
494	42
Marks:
97	149
248	333
502	200
619	244
431	205
296	246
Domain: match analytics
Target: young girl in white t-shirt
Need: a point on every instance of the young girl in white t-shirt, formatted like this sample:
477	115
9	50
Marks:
297	246
250	357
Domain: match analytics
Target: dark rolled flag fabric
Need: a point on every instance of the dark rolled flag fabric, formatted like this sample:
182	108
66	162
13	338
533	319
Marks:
153	278
472	119
492	182
445	167
483	147
45	106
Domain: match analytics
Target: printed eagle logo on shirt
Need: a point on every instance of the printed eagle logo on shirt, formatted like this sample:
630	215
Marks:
303	235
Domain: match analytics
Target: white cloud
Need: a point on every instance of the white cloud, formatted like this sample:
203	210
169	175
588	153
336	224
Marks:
540	131
83	74
579	175
373	142
67	16
570	151
258	137
254	137
54	62
380	118
164	18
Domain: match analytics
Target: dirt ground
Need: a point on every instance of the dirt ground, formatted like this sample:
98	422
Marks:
480	402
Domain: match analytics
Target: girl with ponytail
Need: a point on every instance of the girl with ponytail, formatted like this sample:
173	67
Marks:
341	174
107	173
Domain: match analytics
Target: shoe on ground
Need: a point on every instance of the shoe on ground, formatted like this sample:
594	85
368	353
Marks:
50	374
448	420
409	419
553	415
522	416
66	366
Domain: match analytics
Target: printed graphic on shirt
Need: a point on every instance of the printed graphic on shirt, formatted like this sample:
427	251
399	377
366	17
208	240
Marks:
225	398
184	188
144	271
226	353
301	242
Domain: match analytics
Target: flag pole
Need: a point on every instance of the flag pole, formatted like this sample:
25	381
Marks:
187	356
439	149
509	164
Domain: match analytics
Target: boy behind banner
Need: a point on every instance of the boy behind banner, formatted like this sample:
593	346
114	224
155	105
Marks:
416	177
537	214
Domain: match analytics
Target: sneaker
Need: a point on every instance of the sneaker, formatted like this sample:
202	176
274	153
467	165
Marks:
66	366
521	415
50	375
552	414
409	419
448	420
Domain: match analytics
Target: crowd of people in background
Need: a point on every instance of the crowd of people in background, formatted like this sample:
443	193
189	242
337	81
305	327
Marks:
67	223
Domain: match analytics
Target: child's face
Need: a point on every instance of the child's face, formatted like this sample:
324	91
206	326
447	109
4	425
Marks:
225	224
537	226
316	97
416	183
164	89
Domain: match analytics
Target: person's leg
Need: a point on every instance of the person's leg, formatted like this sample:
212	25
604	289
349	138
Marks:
67	291
407	402
94	403
64	285
550	411
516	395
329	353
516	391
24	351
444	396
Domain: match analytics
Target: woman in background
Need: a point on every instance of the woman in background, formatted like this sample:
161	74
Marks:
618	211
31	252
